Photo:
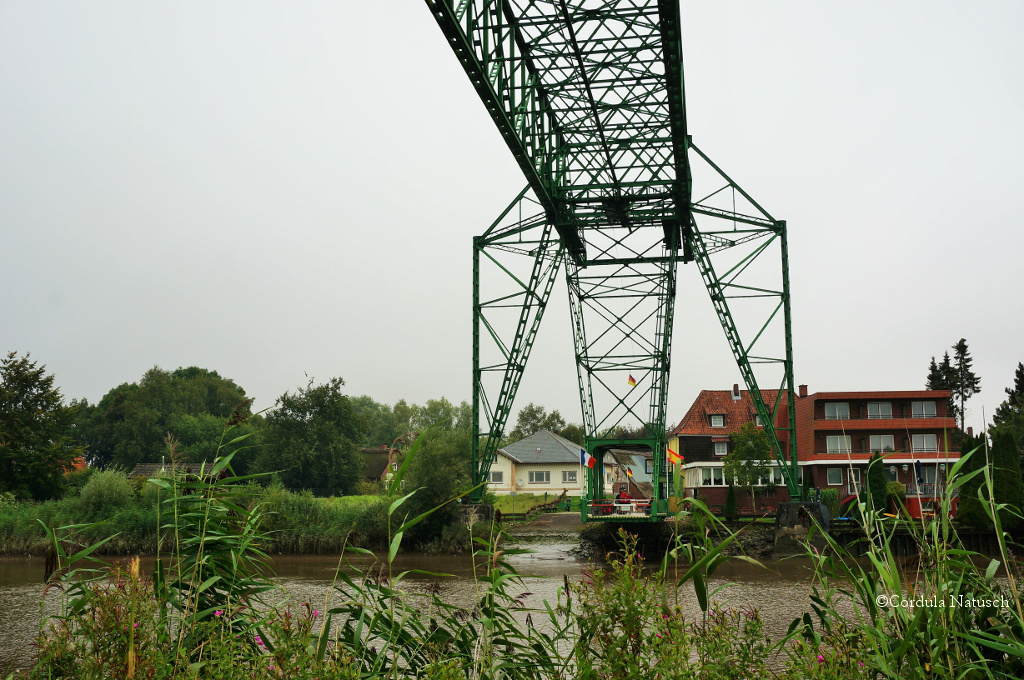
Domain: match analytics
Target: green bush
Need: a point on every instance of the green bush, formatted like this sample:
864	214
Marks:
897	490
730	507
830	497
106	491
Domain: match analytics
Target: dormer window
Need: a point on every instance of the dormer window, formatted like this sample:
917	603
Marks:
837	411
718	420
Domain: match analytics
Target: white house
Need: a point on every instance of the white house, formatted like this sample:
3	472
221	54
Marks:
543	462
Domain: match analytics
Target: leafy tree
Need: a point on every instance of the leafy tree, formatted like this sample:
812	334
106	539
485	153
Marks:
381	423
36	444
965	382
574	433
130	423
534	418
878	483
310	437
747	462
440	472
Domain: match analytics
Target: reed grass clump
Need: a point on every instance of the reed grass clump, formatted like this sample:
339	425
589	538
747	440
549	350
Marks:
212	613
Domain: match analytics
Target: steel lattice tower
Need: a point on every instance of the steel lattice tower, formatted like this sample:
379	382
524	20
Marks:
589	98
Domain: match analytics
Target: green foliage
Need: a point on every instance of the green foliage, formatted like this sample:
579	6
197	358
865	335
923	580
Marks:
730	508
309	439
830	497
106	491
896	489
878	483
131	422
957	376
749	459
36	446
440	472
534	418
1007	485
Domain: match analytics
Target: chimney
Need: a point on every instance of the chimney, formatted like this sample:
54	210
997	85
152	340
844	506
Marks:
970	431
735	392
803	390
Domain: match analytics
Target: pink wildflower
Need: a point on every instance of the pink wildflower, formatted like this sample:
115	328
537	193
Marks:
259	641
219	612
316	613
821	659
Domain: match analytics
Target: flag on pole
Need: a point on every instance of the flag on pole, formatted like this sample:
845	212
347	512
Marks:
586	459
631	381
629	473
674	457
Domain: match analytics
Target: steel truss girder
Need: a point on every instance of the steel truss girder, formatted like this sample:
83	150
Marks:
588	99
724	229
500	351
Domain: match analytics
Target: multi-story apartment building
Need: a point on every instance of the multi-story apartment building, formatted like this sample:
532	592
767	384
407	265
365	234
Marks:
836	434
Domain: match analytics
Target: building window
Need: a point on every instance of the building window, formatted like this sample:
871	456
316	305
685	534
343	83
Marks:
540	477
879	410
835	476
890	473
882	443
497	477
568	476
648	466
837	444
923	409
718	421
705	476
757	420
608	478
716	475
925	443
837	411
855	483
721	448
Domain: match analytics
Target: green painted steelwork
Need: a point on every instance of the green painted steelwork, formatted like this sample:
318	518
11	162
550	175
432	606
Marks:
589	98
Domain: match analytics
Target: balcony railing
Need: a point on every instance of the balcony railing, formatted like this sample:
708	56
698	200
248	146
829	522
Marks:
884	452
894	416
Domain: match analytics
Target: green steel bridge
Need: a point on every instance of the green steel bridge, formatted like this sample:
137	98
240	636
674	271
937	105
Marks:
589	98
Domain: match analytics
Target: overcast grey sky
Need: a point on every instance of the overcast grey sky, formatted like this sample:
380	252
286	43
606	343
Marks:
274	189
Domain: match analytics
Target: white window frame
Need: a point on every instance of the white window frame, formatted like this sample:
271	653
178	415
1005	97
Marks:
569	477
855	478
828	476
705	476
717	476
648	466
834	443
922	409
757	420
497	477
837	413
721	448
876	442
540	476
717	420
924	443
880	412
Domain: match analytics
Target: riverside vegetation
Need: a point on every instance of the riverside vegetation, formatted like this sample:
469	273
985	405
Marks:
208	611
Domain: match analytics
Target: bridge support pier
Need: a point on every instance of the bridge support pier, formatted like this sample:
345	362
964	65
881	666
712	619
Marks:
793	523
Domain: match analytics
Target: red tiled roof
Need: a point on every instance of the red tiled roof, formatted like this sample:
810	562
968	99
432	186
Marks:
737	412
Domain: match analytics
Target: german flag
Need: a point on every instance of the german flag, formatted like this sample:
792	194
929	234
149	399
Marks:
629	473
631	381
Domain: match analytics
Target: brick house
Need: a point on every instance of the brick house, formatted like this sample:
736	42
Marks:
836	433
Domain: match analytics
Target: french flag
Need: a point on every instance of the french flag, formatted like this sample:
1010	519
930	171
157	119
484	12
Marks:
587	459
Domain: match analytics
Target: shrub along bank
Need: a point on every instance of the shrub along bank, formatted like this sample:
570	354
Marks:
127	509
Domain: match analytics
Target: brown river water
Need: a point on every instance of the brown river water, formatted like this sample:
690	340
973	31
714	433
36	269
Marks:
779	590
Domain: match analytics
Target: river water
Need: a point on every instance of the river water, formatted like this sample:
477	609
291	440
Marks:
779	590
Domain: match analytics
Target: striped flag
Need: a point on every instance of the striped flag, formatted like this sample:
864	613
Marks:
629	473
631	381
586	459
674	457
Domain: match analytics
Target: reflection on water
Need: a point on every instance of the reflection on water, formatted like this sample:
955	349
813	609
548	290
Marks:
779	590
